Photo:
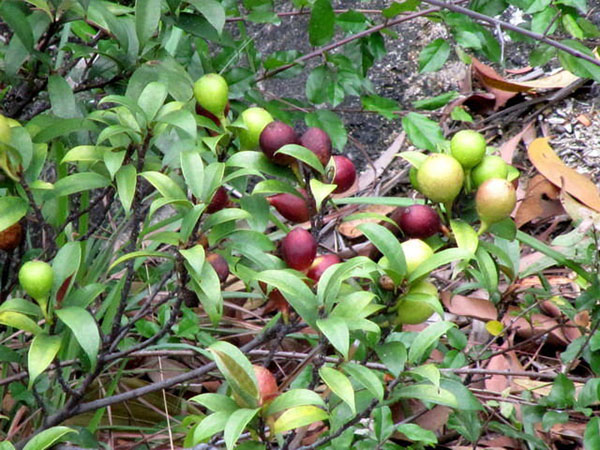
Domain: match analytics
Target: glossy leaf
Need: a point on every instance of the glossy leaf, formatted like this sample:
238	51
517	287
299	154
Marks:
366	377
48	438
19	321
215	402
322	20
84	328
41	353
126	179
336	331
298	417
340	385
12	209
294	398
235	425
426	339
434	55
422	132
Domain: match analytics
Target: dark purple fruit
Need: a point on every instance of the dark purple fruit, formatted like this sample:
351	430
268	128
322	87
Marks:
318	142
219	201
345	173
274	136
293	208
419	221
320	264
219	264
298	249
11	237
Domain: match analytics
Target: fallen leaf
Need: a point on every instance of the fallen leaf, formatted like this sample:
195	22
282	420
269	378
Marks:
584	120
557	81
540	202
476	308
497	383
547	162
578	212
491	79
508	149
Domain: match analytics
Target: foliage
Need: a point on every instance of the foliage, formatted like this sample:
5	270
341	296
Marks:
113	172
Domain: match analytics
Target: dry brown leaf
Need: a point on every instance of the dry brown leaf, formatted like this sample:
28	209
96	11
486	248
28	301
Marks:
507	150
492	80
583	120
497	383
540	202
349	229
476	308
578	212
547	162
557	81
538	323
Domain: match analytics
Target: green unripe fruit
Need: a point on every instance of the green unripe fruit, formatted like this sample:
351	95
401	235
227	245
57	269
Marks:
468	147
412	175
440	178
491	166
211	92
36	278
495	200
412	311
415	251
255	119
5	131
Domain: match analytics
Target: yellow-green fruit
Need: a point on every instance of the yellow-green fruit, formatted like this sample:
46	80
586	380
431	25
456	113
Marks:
440	178
415	252
36	278
255	119
491	166
5	131
211	92
411	311
412	175
495	200
468	147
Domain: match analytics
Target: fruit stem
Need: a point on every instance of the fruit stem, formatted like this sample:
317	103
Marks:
483	228
448	207
468	187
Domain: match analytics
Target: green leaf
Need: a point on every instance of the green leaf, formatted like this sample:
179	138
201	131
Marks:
321	24
436	102
562	395
414	158
428	371
320	191
139	254
434	55
388	245
260	162
211	425
393	355
213	12
336	331
22	306
15	18
297	417
579	67
295	291
61	97
294	398
302	154
194	257
85	153
48	438
466	237
399	7
366	377
225	215
331	123
417	434
591	437
84	328
165	185
235	425
340	385
182	119
152	97
427	392
126	179
12	209
381	105
147	16
19	321
193	171
41	353
238	372
80	182
422	132
216	402
426	339
459	114
437	260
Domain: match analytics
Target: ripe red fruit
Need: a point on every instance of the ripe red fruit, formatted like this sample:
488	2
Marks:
320	264
274	136
219	264
419	221
267	386
10	238
345	173
292	207
318	142
219	200
298	249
